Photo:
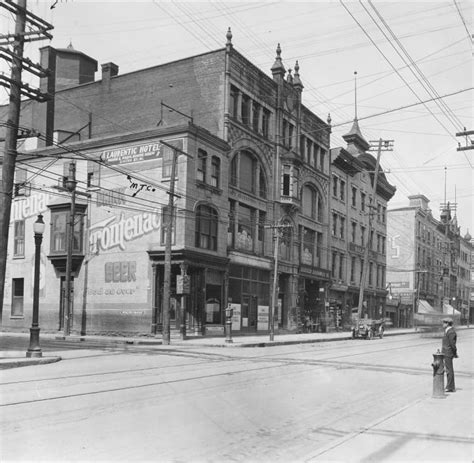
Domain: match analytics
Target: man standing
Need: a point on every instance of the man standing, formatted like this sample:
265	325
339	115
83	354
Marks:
450	351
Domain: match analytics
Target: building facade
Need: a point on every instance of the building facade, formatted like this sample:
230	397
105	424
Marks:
426	270
252	158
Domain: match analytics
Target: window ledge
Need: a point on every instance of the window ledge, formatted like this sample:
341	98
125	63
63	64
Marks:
17	317
208	187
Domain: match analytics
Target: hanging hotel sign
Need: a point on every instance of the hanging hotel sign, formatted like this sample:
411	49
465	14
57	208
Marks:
137	153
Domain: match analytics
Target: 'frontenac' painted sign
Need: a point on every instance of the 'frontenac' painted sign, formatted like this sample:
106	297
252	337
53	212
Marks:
112	232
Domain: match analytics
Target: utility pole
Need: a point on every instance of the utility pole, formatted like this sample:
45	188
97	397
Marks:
274	297
169	233
71	187
17	88
383	145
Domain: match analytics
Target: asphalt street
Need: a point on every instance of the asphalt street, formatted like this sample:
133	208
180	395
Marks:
330	401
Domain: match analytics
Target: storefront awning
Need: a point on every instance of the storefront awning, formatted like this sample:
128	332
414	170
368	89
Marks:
450	310
425	307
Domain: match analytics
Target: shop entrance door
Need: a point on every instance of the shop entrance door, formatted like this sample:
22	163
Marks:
249	314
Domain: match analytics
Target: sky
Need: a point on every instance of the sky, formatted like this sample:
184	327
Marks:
414	65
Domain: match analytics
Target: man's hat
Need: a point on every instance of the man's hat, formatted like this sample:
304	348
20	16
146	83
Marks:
447	320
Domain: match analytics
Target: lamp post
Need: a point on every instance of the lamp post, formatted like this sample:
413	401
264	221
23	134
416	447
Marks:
34	349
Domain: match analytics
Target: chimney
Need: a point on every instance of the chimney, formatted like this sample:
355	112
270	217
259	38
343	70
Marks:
43	113
109	70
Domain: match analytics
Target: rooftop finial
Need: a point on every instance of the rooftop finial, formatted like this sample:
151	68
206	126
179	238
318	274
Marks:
229	37
278	68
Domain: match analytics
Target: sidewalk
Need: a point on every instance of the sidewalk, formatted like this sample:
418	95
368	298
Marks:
14	358
426	430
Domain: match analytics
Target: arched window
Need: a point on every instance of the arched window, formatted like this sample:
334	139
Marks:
247	173
206	228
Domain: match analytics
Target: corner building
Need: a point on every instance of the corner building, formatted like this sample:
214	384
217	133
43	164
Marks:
249	158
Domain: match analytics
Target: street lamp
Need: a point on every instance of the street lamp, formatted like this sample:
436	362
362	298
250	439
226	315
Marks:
34	349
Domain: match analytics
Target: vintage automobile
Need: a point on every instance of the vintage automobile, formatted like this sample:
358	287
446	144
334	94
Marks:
368	329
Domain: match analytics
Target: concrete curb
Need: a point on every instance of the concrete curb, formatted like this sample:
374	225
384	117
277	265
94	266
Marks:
9	360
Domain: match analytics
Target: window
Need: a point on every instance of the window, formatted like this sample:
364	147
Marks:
309	200
215	171
371	269
341	266
168	159
201	166
93	174
265	123
322	160
354	197
18	294
58	232
262	184
21	187
334	224
334	185
255	116
206	228
362	235
19	238
291	130
342	227
234	98
248	168
285	132
59	228
246	110
245	228
353	232
342	190
308	255
333	264
353	264
362	201
290	181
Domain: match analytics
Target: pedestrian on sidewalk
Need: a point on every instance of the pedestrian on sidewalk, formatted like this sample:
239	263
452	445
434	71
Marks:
450	351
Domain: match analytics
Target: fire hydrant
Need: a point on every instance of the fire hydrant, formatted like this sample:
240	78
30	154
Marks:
228	324
438	375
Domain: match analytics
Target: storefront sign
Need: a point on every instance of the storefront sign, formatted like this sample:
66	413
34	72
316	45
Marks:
262	317
236	316
183	284
111	233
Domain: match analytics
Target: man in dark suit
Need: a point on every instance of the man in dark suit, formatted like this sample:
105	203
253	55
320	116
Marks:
450	351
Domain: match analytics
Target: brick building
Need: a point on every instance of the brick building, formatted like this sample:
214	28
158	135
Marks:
428	263
252	156
353	171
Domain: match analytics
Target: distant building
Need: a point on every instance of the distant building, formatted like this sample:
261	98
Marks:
424	262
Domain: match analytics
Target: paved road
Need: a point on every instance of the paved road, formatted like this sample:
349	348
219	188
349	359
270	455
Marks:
310	402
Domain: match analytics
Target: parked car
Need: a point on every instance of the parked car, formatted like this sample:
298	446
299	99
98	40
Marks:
368	329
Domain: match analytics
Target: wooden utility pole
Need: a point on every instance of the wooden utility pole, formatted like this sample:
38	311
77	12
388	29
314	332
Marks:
274	296
169	236
11	137
17	88
383	145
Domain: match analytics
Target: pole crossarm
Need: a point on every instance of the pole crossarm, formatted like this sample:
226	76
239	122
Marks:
469	144
25	89
36	21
